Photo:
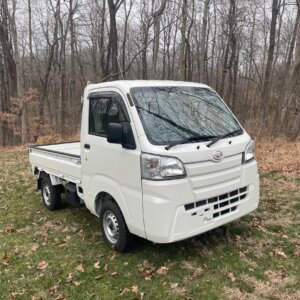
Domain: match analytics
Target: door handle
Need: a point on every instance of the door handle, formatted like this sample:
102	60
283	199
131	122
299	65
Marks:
87	146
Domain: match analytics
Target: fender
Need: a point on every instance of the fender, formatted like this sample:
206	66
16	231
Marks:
133	214
40	172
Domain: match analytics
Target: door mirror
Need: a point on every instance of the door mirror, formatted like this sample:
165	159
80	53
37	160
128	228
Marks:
115	133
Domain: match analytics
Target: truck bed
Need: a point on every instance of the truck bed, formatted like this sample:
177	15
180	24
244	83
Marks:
62	160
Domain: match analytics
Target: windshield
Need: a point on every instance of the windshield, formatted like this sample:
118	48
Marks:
171	114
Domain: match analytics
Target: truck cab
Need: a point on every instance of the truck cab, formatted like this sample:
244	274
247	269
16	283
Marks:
163	160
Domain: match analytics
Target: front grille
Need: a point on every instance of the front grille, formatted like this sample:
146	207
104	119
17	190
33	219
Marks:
222	204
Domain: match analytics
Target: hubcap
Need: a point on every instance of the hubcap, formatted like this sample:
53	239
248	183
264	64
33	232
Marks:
111	226
47	194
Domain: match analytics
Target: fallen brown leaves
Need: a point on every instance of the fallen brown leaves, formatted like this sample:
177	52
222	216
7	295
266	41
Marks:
10	229
134	290
281	254
54	288
77	283
79	268
6	259
42	265
71	280
279	155
97	265
196	271
124	291
296	254
146	270
162	270
35	247
231	276
179	290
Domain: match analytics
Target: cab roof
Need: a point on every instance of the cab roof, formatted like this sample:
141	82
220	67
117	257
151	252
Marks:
126	85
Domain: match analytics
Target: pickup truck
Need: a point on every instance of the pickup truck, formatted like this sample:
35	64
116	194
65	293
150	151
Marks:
162	160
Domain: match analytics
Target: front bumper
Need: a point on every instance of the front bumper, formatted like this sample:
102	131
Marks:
168	218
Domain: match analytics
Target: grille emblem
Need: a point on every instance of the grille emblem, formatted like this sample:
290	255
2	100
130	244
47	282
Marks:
218	156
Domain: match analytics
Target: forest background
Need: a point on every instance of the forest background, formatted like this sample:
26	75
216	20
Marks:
249	51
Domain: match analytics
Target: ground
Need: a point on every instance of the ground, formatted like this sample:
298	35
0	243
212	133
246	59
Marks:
61	255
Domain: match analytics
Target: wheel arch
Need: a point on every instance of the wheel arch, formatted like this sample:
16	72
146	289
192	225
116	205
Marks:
100	198
41	175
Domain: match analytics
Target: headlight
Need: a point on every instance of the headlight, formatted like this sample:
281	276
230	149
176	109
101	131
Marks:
161	167
249	154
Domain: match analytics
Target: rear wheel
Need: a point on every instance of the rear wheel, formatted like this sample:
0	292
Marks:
51	196
113	227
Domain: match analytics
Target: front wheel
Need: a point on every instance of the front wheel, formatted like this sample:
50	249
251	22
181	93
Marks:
50	194
113	227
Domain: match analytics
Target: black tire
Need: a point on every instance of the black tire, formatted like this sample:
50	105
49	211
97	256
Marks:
117	236
51	195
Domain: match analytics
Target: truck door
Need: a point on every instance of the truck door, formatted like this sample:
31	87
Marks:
110	168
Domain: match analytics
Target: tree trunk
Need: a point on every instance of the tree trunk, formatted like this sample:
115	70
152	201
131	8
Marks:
113	36
70	112
19	86
232	45
125	35
203	46
30	43
182	57
268	70
144	53
293	42
224	69
8	72
294	87
156	21
45	80
101	41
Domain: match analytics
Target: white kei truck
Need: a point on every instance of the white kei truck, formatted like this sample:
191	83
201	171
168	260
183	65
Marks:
162	160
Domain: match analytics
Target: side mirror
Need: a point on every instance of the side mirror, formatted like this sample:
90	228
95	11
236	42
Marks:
115	133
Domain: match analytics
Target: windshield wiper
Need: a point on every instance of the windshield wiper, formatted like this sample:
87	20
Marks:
190	139
232	133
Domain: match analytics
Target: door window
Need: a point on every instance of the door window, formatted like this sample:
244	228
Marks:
102	112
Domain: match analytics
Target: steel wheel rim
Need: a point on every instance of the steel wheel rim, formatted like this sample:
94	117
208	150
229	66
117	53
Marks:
111	226
47	194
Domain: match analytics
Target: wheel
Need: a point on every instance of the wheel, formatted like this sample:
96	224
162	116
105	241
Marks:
113	227
50	194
